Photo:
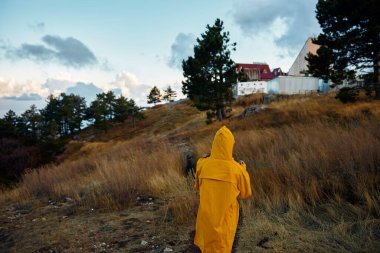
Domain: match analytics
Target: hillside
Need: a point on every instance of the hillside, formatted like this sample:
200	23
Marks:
313	164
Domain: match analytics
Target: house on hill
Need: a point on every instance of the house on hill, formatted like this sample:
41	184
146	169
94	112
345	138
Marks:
253	78
257	71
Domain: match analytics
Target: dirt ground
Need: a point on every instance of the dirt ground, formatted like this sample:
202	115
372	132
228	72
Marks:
63	227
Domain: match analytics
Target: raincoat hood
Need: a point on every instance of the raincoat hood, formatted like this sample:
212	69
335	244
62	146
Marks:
223	144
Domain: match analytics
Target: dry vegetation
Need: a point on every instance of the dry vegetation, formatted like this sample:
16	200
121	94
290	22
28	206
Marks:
314	166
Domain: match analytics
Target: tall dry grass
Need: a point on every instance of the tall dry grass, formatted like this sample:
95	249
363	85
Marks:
110	178
305	152
301	154
300	166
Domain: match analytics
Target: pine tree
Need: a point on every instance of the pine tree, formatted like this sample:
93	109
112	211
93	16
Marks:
351	31
31	122
169	94
154	96
210	73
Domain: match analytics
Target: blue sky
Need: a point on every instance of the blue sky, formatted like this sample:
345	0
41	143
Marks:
129	46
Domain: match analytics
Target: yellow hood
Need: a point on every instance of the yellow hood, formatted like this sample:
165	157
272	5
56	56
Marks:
223	144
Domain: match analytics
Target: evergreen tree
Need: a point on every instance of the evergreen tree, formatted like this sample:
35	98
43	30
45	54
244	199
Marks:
319	65
351	32
97	113
101	110
154	96
211	72
72	112
109	100
31	124
135	112
51	124
169	94
8	125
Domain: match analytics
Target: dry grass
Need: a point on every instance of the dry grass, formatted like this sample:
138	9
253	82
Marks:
109	179
314	166
300	166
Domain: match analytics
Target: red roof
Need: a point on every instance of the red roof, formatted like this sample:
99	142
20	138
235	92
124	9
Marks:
267	76
265	73
253	66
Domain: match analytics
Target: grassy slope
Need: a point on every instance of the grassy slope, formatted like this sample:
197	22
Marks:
313	164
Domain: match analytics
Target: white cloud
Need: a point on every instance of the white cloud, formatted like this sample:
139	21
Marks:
130	87
57	86
181	49
10	88
289	22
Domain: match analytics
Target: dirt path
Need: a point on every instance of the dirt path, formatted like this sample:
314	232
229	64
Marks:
62	227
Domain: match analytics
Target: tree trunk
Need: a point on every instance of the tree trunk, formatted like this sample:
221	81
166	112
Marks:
224	115
219	114
376	73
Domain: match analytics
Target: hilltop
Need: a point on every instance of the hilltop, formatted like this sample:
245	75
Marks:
313	163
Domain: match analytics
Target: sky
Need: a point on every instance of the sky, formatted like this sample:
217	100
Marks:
89	46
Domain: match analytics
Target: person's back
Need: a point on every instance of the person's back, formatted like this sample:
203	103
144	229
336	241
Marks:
220	181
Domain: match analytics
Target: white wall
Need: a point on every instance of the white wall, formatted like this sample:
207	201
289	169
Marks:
293	85
246	88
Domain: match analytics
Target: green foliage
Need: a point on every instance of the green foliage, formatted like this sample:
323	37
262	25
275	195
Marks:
63	115
319	65
169	94
211	72
8	125
347	95
106	108
154	96
350	40
125	108
30	123
37	136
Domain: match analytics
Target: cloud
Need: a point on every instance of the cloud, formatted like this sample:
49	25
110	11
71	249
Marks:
11	88
86	90
130	87
69	52
57	86
25	97
105	65
37	26
288	22
181	48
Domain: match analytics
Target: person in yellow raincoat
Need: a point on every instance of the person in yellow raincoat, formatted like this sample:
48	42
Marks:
220	181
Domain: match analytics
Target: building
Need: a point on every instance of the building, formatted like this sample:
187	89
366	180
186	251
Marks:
299	65
288	85
246	88
257	71
284	85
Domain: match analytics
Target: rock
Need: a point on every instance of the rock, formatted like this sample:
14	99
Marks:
67	199
251	110
167	250
144	243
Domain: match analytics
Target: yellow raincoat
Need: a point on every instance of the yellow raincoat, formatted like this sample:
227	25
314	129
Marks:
220	181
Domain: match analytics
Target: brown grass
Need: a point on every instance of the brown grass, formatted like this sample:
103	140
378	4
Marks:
313	163
109	179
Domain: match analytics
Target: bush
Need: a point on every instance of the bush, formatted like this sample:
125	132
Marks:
347	95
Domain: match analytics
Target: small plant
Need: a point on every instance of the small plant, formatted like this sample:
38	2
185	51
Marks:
347	95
